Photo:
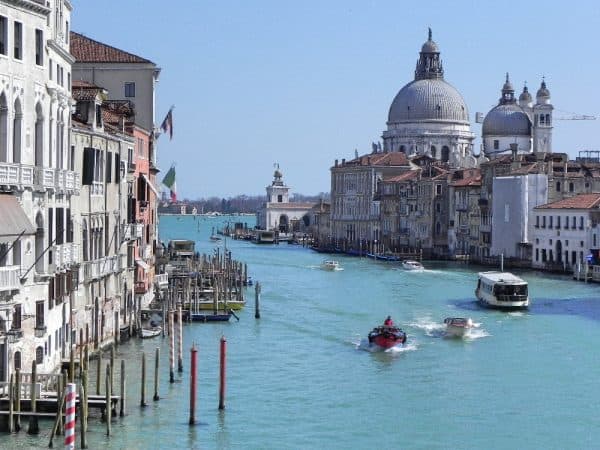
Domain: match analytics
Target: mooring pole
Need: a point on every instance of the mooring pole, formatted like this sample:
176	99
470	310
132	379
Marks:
33	420
156	374
193	363
143	387
222	373
179	339
257	301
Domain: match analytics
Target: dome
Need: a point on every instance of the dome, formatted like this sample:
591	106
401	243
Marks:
428	99
525	95
430	47
543	92
277	174
506	120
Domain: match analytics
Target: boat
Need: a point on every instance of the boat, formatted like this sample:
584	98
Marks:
389	257
264	237
150	332
502	290
458	326
214	237
386	336
330	264
410	264
198	317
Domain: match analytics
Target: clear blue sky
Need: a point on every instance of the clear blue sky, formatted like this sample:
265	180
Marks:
304	83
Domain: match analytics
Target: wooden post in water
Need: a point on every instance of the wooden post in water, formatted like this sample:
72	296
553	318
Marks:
164	311
171	348
80	352
108	400
86	358
18	401
123	388
143	387
71	364
11	420
99	373
156	374
193	369
257	301
33	420
223	353
179	339
117	329
112	367
82	410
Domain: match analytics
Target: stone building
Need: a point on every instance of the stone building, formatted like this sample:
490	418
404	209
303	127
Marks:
465	212
38	257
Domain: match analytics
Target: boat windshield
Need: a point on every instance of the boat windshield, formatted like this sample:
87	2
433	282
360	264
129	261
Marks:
509	289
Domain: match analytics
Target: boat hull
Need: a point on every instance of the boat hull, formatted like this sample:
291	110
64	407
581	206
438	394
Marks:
210	317
148	333
387	337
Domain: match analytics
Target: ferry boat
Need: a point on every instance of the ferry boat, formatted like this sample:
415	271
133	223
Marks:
386	336
458	326
409	264
502	290
264	237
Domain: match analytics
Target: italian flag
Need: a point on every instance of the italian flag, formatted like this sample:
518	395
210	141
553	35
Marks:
169	181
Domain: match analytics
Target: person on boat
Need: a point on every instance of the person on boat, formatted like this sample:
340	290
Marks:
388	322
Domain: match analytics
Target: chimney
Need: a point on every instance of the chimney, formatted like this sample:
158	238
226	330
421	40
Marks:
513	150
343	161
336	163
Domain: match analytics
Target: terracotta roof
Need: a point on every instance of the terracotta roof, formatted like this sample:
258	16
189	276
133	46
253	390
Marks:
527	169
380	159
87	50
581	201
84	91
410	175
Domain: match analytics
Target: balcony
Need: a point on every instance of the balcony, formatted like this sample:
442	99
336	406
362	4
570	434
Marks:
131	167
162	280
485	228
67	181
65	255
9	278
146	252
44	178
133	231
97	188
14	174
23	176
461	206
93	270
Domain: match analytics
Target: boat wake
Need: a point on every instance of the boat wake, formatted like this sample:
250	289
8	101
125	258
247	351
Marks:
476	333
429	327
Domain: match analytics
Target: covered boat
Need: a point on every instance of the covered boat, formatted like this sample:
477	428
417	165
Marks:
387	336
330	265
412	265
458	326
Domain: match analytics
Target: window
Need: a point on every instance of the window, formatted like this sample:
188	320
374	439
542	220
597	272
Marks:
17	363
551	218
39	47
98	116
543	221
129	89
537	221
39	355
581	222
50	69
18	41
39	314
496	144
280	198
557	221
537	254
16	318
66	32
3	35
438	189
558	186
571	187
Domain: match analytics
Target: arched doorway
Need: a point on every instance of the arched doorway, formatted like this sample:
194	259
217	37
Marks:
558	251
284	224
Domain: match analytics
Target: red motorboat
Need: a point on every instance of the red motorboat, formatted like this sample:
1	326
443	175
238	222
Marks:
387	336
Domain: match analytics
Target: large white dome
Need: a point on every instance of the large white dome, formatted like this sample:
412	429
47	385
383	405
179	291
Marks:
428	99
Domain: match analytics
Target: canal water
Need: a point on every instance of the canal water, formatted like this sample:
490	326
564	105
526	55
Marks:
299	378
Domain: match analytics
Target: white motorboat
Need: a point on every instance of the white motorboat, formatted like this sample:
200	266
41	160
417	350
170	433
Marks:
330	264
151	332
502	290
409	264
458	326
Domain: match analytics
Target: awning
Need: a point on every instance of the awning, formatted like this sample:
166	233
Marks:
151	185
142	264
13	220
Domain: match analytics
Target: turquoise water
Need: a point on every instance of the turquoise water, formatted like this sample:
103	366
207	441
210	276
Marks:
297	377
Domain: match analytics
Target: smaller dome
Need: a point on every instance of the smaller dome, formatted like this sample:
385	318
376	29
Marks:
543	91
430	47
506	120
525	95
277	174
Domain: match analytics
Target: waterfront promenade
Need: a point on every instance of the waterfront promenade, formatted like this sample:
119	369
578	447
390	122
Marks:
296	379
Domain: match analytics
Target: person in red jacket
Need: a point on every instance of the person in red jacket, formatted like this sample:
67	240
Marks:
388	322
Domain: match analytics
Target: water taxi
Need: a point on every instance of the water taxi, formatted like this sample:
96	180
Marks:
412	265
502	290
458	326
330	264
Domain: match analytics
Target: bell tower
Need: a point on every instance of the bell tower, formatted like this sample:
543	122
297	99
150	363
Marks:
278	192
542	120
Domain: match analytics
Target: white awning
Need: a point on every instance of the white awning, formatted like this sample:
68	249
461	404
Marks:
142	264
13	220
151	185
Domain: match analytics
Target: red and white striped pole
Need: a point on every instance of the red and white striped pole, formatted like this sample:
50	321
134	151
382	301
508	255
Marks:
70	417
179	338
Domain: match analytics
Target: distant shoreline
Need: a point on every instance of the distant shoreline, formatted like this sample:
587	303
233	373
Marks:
206	215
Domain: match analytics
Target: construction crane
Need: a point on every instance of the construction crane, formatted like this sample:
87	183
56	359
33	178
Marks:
576	117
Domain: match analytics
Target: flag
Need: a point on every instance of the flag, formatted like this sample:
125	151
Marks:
169	181
167	124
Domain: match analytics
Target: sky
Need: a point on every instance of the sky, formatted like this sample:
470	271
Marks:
302	84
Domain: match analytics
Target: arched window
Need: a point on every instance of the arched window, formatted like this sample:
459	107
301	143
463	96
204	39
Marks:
17	361
17	126
39	242
39	136
433	152
445	154
438	228
558	186
39	355
85	241
403	149
3	129
571	187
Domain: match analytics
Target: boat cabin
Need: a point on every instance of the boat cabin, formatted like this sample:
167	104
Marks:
181	249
